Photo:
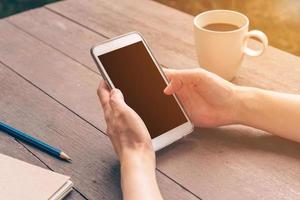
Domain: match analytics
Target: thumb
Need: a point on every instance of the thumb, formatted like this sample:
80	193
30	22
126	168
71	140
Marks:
181	77
173	86
175	83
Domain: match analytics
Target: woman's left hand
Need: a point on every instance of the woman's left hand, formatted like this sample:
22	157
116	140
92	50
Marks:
125	128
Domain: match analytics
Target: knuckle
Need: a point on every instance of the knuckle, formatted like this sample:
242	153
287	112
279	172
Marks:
112	100
121	113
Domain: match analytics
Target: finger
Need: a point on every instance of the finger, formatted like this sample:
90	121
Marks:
178	78
185	75
174	86
117	100
168	72
104	96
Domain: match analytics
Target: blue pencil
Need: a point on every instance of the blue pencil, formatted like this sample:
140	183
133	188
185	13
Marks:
34	142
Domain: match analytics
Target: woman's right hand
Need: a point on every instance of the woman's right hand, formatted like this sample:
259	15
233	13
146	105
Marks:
208	100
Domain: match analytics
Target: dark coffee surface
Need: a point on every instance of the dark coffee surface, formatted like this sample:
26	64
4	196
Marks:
220	27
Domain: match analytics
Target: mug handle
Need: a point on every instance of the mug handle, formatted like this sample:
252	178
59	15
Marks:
261	37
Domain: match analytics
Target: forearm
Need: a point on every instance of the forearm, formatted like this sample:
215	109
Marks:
274	112
138	178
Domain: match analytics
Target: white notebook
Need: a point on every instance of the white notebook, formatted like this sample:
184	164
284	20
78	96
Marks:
20	180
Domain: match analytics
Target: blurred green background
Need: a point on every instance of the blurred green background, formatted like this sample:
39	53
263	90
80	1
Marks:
9	7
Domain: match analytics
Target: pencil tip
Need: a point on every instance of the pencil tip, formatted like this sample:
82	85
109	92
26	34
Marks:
64	156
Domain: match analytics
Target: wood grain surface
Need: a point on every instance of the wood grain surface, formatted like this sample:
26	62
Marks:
166	28
64	79
50	48
59	33
9	145
110	18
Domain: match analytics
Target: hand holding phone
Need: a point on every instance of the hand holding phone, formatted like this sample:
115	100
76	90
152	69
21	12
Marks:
127	63
124	126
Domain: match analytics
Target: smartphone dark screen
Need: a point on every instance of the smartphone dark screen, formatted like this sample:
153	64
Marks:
132	70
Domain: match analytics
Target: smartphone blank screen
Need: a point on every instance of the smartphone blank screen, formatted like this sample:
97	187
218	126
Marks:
132	70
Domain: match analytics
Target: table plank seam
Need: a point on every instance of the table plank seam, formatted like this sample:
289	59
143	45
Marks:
76	22
21	143
183	187
17	145
44	163
49	45
52	97
72	21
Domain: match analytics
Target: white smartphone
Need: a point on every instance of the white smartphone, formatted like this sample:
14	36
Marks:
127	63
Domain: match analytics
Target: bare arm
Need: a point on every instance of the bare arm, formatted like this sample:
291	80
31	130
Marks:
275	112
211	101
138	178
132	143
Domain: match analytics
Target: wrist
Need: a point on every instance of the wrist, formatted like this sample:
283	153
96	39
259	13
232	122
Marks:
137	165
138	171
138	157
247	104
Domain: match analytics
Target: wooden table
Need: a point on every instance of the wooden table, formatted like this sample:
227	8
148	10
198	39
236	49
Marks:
48	87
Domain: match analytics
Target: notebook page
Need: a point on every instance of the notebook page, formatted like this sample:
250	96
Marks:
20	180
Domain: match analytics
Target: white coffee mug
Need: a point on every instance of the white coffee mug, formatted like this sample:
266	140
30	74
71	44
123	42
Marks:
221	52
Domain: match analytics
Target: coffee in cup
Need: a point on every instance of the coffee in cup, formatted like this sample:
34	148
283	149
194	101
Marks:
221	27
221	38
